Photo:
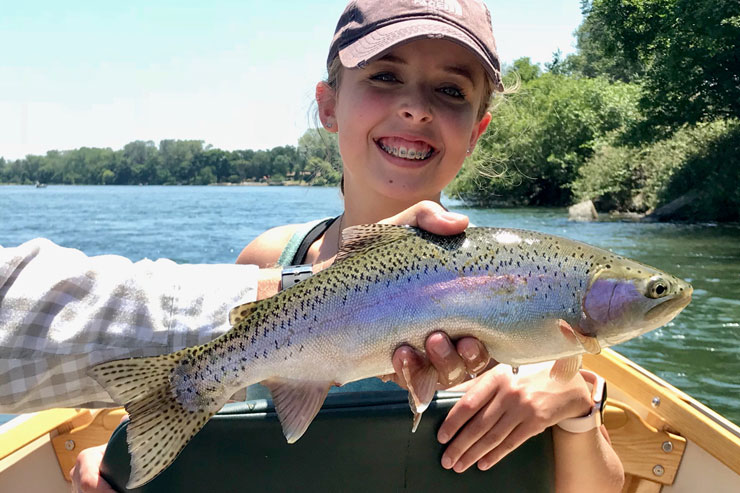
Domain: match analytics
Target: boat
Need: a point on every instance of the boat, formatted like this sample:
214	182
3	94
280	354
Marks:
40	185
667	440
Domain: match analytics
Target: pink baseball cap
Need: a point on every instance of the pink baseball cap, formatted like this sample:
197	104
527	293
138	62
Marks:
369	28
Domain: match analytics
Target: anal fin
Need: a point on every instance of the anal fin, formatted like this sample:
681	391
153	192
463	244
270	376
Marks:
297	402
565	368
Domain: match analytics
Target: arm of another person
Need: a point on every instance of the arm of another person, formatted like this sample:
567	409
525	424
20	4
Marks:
62	312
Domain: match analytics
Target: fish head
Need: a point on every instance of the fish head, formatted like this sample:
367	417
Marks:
626	298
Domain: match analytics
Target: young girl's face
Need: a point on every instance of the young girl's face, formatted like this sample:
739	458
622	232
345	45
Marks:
406	120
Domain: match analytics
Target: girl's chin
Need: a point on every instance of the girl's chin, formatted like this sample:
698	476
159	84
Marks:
402	190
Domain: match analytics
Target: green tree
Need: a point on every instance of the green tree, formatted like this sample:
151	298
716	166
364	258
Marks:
685	53
526	70
321	144
541	136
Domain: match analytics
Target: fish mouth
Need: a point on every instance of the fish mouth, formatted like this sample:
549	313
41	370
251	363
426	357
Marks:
670	306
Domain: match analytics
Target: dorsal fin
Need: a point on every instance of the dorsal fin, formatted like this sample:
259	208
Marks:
239	313
357	239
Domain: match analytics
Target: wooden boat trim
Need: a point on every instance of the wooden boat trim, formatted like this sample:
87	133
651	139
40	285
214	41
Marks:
92	433
35	426
680	413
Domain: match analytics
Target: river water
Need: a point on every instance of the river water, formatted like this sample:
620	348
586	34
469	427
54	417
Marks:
699	352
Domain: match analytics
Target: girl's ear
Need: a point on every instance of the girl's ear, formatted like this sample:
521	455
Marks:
326	98
478	130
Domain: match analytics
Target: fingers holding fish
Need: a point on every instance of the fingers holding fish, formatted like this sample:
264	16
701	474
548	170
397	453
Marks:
454	362
474	354
432	217
406	361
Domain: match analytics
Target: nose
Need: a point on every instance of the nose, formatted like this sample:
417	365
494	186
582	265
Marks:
415	108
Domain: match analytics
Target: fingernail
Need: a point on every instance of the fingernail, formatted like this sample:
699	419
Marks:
458	467
443	350
476	364
483	466
443	437
446	462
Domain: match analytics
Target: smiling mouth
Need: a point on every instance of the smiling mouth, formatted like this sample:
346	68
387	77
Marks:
416	151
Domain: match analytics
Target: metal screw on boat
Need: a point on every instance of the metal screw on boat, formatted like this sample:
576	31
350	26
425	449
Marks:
658	470
667	447
656	401
69	444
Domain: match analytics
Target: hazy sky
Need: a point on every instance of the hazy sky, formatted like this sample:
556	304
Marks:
238	74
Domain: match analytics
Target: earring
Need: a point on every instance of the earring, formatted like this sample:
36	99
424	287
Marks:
329	125
468	150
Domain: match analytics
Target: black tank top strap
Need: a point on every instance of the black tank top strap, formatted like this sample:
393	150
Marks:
313	235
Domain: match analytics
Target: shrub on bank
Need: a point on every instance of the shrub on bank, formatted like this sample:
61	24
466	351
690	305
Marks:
539	138
704	160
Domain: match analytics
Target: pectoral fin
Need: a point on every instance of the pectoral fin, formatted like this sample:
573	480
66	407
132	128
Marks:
589	344
296	402
565	368
422	386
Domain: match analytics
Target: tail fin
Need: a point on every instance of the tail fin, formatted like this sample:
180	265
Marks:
160	426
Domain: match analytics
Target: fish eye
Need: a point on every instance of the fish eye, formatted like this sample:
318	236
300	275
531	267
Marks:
657	288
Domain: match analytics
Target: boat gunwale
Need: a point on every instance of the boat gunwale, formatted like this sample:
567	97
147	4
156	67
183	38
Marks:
682	414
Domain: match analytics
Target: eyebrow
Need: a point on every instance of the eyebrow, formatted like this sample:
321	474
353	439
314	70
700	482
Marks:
460	70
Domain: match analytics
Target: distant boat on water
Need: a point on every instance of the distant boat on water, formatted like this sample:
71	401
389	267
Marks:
40	185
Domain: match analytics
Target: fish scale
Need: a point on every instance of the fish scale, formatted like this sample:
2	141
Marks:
526	296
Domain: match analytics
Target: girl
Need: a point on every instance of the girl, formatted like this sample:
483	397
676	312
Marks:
407	93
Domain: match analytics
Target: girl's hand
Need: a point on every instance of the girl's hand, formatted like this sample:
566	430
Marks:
86	472
500	411
454	362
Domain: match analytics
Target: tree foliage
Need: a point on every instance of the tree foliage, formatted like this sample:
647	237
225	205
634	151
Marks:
187	162
686	53
541	136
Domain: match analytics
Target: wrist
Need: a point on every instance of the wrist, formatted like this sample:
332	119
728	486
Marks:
268	283
593	418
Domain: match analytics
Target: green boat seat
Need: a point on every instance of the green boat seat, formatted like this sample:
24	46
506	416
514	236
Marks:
358	442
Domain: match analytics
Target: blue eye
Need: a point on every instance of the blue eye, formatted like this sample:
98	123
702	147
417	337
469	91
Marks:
384	77
453	92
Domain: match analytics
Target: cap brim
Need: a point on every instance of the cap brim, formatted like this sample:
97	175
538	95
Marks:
374	44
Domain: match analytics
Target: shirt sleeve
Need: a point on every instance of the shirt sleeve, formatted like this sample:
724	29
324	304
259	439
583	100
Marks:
62	312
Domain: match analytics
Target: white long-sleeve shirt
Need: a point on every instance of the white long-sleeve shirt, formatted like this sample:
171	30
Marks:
62	312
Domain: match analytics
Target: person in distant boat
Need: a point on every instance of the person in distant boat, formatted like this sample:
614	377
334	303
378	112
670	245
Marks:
407	94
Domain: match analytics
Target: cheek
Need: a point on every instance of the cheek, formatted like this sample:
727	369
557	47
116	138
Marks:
361	104
458	124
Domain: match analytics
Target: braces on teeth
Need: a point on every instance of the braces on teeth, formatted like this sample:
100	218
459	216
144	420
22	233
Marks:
406	153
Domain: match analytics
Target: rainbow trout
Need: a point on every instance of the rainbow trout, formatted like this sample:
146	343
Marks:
529	297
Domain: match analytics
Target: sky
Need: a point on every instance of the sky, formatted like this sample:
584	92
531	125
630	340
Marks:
237	74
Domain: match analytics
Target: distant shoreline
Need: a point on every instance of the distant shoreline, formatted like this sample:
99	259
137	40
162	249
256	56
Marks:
287	183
